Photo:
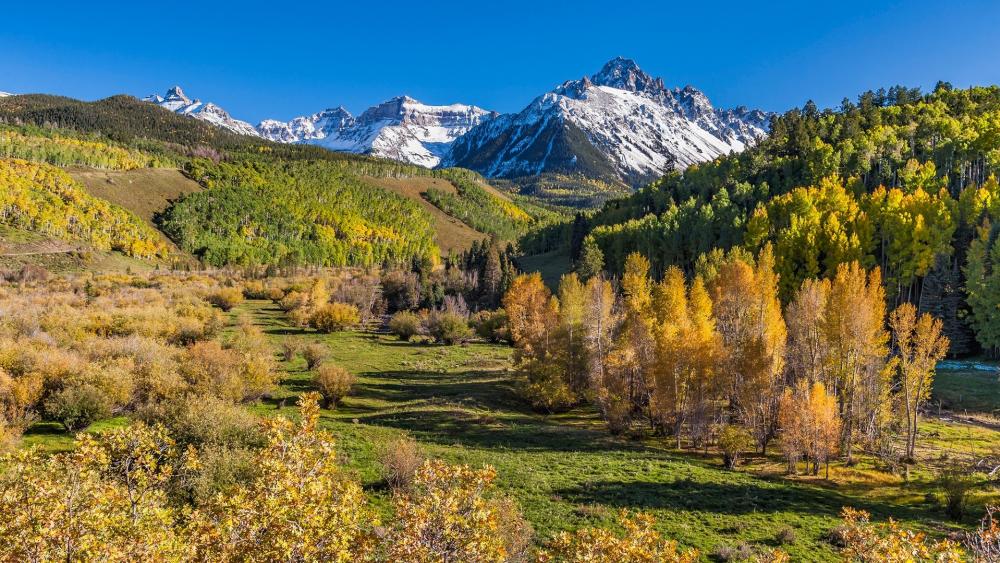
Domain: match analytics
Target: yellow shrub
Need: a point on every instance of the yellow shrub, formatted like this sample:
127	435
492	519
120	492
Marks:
335	317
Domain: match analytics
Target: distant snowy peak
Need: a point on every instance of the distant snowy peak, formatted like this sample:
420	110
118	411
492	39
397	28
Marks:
402	129
177	102
5	94
618	122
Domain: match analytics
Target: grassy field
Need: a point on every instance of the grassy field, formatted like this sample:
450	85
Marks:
145	191
967	390
451	234
566	471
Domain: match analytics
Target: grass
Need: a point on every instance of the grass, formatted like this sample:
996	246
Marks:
451	234
552	265
145	191
967	390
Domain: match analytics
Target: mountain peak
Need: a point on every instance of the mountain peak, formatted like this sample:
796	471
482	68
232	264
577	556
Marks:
176	93
625	74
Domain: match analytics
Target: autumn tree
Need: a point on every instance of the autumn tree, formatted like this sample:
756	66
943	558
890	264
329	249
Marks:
683	379
808	354
919	347
855	330
600	326
533	315
571	334
810	425
748	317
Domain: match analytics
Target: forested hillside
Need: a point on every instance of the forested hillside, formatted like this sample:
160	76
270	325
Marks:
43	198
899	180
263	203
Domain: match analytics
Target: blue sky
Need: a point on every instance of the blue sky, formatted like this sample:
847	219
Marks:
282	59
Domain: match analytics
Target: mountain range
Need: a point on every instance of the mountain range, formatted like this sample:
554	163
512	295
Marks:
619	124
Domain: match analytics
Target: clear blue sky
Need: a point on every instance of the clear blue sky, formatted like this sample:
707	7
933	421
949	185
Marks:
282	59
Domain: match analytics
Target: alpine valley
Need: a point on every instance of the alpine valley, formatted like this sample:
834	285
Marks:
619	126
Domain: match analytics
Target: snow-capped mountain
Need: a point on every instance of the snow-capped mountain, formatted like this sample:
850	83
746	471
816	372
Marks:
177	102
401	129
5	94
619	122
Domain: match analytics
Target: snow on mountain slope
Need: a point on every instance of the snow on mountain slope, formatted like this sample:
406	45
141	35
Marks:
619	122
401	129
177	102
5	94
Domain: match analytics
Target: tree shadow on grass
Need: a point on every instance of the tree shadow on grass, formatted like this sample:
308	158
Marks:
732	498
474	408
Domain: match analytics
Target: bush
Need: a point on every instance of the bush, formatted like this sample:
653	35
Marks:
77	407
452	513
292	300
739	552
201	420
289	349
733	441
314	354
785	536
226	298
405	325
255	290
335	317
491	325
334	382
400	461
219	469
448	328
955	484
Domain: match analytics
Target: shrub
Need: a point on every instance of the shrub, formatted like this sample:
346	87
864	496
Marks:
219	469
448	328
314	354
289	349
955	484
255	290
201	420
452	513
292	300
405	325
640	543
739	552
211	369
226	298
334	382
733	441
400	461
785	536
491	325
78	406
334	317
275	294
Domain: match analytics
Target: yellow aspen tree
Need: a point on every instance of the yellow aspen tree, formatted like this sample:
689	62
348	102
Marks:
635	343
855	330
808	354
533	315
919	346
667	380
749	320
705	346
572	347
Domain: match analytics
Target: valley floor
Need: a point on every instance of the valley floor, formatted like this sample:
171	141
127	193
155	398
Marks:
566	471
